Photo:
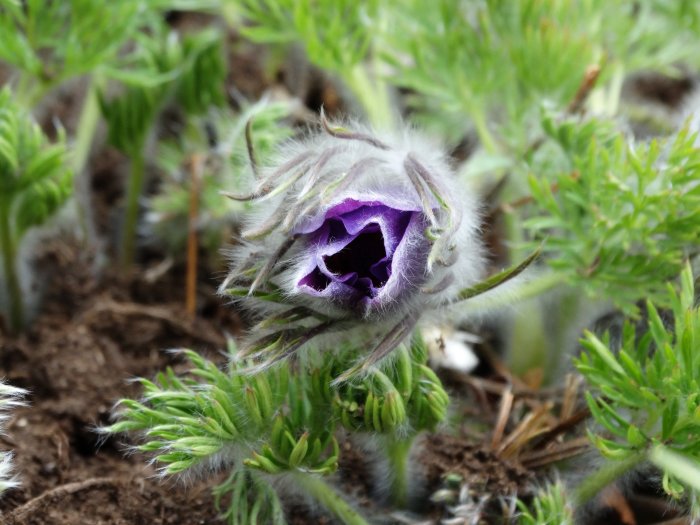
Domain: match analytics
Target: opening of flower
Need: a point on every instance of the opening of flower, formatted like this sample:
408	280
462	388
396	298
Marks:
359	253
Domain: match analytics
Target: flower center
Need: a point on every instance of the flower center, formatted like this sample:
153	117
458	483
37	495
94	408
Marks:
361	260
359	252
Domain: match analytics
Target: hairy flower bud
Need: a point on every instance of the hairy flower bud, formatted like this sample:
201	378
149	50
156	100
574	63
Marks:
355	236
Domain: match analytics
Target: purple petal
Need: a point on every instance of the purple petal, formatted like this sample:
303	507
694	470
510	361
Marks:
362	253
312	224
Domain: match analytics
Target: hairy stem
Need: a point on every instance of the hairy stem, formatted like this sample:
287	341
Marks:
527	350
318	489
604	476
8	246
132	208
89	117
373	95
398	451
482	130
30	90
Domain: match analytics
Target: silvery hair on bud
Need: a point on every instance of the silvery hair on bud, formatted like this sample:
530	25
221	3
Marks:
10	398
306	180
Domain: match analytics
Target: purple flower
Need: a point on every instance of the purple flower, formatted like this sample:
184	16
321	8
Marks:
353	240
359	254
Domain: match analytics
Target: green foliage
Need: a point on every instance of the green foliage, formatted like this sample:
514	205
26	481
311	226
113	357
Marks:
646	394
267	419
679	468
34	182
34	179
249	500
335	33
201	83
623	218
278	420
549	507
496	61
224	167
649	35
405	397
189	72
164	68
473	58
53	41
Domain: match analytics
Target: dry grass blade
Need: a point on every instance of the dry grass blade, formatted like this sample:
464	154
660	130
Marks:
503	417
559	452
563	426
590	78
571	389
533	424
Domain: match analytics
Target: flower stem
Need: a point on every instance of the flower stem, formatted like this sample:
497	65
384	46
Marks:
482	130
604	476
89	117
329	498
373	95
398	451
132	208
29	90
8	246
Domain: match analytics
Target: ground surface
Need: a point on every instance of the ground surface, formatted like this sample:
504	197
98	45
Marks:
76	361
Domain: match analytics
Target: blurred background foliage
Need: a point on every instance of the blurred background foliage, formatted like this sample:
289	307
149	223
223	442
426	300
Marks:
535	98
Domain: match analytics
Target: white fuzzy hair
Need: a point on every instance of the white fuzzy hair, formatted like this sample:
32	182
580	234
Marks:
10	398
305	179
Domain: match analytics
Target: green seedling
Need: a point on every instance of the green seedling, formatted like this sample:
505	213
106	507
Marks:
35	181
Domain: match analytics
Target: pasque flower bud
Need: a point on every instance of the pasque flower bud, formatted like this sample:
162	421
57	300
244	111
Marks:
357	236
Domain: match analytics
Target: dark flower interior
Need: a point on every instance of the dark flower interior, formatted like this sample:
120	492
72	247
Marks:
362	264
364	260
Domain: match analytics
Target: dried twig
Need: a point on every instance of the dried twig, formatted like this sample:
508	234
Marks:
612	497
568	405
503	416
35	506
540	458
590	78
563	426
196	165
532	425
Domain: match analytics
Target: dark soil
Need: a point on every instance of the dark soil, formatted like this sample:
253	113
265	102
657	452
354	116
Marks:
76	361
475	464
